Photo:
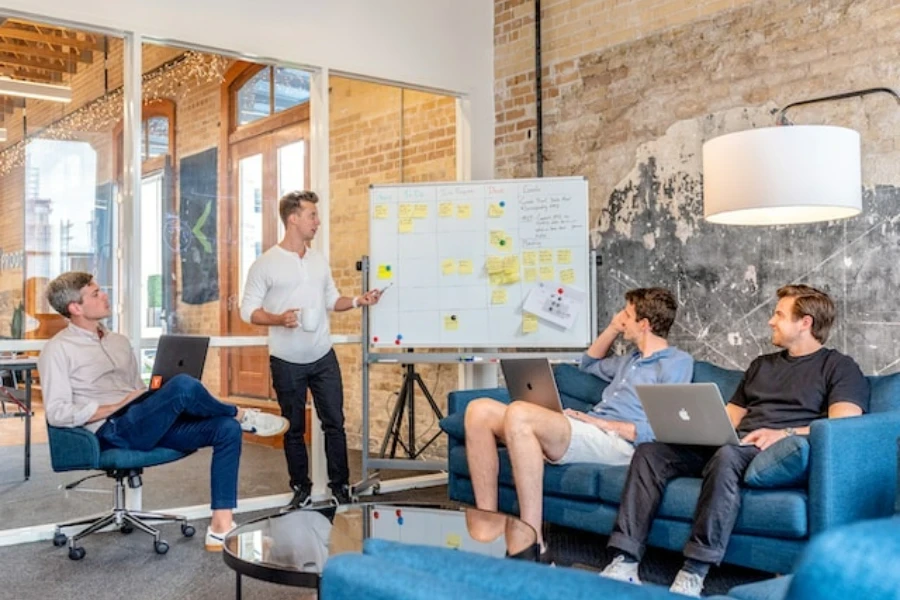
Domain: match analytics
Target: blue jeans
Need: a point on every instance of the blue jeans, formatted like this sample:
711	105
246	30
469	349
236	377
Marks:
323	377
183	415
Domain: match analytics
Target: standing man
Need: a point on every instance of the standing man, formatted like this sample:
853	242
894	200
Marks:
90	379
288	289
607	434
779	396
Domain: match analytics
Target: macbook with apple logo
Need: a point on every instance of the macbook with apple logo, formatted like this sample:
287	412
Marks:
531	380
687	413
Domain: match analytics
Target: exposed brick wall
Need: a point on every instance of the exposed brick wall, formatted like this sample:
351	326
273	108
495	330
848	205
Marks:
381	134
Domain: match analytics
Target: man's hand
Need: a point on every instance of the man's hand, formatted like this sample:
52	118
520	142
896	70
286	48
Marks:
617	323
586	418
289	318
369	298
763	438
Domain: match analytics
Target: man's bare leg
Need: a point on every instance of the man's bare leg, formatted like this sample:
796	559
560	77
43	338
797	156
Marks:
533	433
484	426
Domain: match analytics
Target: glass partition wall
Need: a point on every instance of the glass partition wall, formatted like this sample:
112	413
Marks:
219	140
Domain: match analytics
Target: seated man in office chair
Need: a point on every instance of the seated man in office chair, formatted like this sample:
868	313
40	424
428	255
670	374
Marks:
90	378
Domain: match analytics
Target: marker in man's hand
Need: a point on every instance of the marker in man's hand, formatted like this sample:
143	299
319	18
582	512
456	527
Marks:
382	290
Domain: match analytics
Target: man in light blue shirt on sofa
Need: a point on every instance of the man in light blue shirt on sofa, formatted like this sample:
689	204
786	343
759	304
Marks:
607	434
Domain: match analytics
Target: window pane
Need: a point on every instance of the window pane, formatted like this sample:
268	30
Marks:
156	130
151	255
251	225
291	172
291	88
253	98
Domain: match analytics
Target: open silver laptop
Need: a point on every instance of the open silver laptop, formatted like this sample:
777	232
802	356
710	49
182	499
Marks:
687	413
531	380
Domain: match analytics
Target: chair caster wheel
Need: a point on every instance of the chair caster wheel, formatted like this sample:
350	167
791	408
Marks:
60	539
126	529
161	546
187	530
76	553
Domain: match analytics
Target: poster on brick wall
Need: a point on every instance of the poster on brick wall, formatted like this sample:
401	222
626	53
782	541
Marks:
198	248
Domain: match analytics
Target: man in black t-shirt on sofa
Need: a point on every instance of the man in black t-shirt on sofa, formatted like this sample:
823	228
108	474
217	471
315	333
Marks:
779	396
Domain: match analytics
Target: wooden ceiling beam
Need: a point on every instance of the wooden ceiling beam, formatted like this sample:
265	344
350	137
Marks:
45	65
30	75
31	72
69	40
68	56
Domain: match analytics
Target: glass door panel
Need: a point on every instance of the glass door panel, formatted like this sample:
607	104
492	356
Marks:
250	220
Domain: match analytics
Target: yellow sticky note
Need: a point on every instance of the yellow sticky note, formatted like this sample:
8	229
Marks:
454	540
445	210
529	323
495	210
448	266
498	296
494	264
496	236
465	267
463	211
529	257
384	272
547	273
497	278
420	211
451	323
406	210
506	244
381	211
564	256
567	275
510	263
530	274
546	257
405	225
510	277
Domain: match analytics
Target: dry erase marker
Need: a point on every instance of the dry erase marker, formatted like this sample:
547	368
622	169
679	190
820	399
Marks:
382	290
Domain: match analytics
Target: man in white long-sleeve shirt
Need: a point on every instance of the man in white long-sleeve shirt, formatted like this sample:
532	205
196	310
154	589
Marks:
289	284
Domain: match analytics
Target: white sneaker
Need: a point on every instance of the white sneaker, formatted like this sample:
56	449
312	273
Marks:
687	584
263	424
620	570
215	541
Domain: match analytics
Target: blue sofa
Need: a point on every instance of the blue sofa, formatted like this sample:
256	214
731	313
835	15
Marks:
852	477
854	561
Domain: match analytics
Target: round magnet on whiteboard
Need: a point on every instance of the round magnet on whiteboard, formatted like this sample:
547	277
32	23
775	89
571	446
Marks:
559	291
396	342
502	204
400	521
387	268
502	242
375	514
399	337
452	317
375	339
399	512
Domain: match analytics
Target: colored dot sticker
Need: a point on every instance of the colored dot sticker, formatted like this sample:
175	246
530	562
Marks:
559	291
396	342
452	317
399	337
375	339
400	521
375	514
399	513
387	268
502	242
502	203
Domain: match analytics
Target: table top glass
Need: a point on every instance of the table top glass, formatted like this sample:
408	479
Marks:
292	547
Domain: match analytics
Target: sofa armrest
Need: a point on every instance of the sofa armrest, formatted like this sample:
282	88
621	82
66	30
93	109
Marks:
853	469
459	399
73	449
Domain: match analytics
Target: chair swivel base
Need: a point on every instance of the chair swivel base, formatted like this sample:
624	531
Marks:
123	519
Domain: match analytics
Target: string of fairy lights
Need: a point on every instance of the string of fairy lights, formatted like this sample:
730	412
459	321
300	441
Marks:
170	81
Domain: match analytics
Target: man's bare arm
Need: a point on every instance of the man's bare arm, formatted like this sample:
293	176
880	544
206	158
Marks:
624	429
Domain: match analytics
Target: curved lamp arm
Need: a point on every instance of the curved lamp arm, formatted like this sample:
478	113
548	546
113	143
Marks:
782	119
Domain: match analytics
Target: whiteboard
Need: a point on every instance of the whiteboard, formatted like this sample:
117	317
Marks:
461	259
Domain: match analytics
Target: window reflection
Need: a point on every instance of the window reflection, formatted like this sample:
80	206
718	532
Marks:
253	98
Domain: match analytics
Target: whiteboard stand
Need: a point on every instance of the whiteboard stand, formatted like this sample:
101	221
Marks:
406	402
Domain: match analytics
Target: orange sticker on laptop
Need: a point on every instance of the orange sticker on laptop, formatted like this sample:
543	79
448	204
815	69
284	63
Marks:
156	382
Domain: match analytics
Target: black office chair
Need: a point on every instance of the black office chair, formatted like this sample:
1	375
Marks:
77	449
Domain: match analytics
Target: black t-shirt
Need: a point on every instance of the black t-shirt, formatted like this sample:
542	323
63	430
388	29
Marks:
780	391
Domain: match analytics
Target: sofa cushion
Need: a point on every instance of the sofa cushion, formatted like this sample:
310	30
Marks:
454	425
768	589
577	389
783	464
727	379
884	392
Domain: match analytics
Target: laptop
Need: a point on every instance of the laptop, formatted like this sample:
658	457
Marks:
531	380
175	354
687	413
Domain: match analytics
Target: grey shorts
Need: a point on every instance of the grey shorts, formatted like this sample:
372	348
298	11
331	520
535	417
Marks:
591	444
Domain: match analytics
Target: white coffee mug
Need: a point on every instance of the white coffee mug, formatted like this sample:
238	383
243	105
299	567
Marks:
309	318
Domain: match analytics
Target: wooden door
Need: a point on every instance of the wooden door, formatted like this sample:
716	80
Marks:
261	170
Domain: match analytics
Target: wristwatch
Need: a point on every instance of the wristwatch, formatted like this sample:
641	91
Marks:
790	431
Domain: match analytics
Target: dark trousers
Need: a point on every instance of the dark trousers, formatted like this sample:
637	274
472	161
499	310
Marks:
653	466
184	416
323	378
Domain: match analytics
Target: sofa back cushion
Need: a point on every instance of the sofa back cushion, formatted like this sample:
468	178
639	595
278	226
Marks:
578	390
884	392
727	379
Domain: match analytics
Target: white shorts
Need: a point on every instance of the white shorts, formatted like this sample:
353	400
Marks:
591	444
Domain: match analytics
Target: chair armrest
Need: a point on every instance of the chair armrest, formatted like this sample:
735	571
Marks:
853	469
73	449
458	400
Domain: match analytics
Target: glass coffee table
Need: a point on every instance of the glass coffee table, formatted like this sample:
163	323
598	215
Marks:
292	548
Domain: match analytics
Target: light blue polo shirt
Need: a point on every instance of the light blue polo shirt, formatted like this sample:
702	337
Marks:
619	400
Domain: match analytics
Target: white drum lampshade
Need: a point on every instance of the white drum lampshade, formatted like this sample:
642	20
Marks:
782	175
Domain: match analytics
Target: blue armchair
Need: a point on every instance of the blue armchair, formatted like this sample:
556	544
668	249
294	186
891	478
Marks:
77	449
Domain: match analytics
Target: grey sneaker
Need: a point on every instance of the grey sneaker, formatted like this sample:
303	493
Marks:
687	584
620	570
263	424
